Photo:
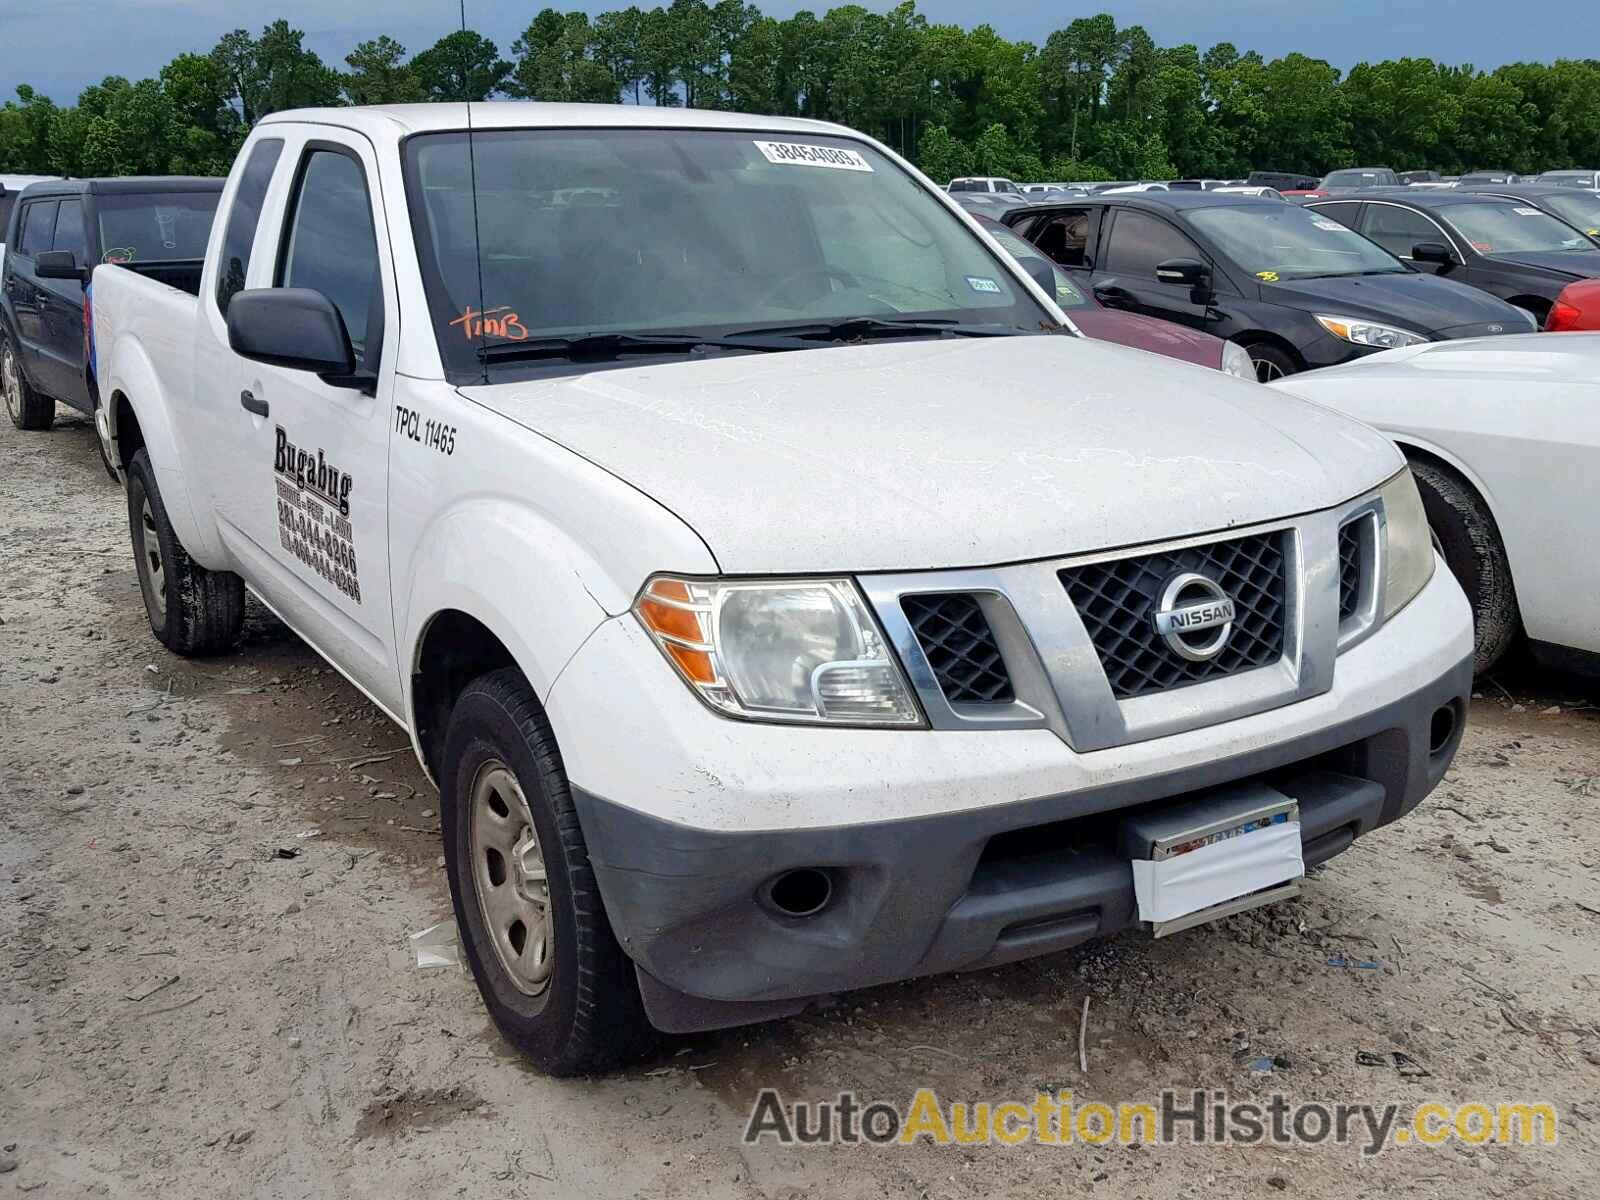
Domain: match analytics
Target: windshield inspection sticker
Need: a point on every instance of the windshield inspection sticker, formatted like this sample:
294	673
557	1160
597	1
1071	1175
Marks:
795	154
1324	223
979	283
1526	212
314	513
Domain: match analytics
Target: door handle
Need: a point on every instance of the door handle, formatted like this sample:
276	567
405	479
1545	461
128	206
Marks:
249	402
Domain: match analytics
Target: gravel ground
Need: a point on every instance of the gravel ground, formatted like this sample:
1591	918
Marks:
208	872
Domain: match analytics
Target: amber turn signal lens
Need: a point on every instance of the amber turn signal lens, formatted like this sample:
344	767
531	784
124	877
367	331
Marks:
696	664
669	621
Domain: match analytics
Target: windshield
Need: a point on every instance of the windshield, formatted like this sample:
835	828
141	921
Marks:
1067	294
1283	241
155	228
650	231
1515	228
1355	179
1580	208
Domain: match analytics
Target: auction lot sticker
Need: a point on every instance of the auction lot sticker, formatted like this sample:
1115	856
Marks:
796	154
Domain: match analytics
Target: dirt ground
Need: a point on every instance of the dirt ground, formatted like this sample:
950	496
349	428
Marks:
208	872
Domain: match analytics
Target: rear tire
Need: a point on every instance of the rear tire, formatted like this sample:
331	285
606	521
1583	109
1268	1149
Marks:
1271	362
27	407
563	992
1470	542
192	611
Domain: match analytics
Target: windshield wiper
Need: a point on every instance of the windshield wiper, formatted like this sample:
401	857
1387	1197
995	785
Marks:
861	328
609	345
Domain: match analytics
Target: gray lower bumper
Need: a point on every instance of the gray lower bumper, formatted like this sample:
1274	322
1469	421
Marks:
963	890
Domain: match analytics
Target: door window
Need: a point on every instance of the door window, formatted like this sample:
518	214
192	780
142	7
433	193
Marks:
243	218
38	225
332	247
1139	242
1345	213
1397	230
69	231
1064	238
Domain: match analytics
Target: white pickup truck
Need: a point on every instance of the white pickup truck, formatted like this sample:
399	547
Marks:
783	597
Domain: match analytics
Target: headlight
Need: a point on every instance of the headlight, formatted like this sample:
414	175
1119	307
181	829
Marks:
1236	361
1408	547
779	650
1366	333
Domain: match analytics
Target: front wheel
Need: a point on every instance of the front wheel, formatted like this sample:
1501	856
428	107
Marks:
27	407
527	905
1469	539
1270	362
192	611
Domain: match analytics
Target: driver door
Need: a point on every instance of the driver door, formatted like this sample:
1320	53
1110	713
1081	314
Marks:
1125	277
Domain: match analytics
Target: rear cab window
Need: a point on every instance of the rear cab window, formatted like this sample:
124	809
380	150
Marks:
244	218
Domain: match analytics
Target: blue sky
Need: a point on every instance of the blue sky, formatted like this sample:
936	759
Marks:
61	45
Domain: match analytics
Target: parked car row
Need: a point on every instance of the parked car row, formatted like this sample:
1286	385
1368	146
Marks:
788	598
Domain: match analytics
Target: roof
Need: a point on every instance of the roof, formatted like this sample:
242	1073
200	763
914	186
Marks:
1420	197
1524	189
391	120
1184	199
127	185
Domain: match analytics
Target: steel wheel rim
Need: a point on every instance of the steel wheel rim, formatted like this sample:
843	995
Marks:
1267	370
153	567
12	384
509	877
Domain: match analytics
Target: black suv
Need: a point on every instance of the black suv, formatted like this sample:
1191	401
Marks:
57	233
1292	287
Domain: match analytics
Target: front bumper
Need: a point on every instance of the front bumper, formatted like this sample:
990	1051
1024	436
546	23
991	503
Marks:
948	850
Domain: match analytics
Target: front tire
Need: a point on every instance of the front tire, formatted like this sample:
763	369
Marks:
1470	542
533	926
28	408
192	611
1270	362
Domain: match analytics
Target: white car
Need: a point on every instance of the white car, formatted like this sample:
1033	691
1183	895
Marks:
784	598
1259	191
1503	436
1136	187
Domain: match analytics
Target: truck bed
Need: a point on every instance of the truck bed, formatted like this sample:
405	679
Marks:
144	323
180	273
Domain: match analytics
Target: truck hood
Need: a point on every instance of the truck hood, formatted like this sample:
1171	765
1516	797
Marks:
1411	300
936	454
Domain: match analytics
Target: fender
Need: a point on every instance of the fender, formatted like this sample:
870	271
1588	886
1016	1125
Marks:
505	564
132	377
1412	442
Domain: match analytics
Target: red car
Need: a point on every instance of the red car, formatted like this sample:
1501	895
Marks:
1126	329
1576	308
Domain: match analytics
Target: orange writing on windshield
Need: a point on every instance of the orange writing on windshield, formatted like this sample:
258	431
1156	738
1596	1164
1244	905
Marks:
475	324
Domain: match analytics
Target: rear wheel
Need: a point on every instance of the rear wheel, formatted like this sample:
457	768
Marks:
27	407
1470	542
192	611
1270	362
532	924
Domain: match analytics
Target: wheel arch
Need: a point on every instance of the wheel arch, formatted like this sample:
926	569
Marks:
1265	337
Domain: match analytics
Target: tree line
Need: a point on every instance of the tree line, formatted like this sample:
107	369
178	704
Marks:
1095	101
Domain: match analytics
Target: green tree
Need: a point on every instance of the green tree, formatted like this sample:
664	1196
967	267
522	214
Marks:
464	66
380	75
944	157
616	37
555	61
25	132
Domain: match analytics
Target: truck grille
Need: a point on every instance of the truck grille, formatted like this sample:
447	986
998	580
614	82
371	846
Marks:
960	647
1117	602
1349	570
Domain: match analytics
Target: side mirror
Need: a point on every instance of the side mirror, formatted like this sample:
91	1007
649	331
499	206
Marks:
291	327
1432	252
1043	273
58	264
1190	271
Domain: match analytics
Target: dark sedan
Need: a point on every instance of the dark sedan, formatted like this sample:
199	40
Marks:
1295	289
1578	207
1512	250
1123	328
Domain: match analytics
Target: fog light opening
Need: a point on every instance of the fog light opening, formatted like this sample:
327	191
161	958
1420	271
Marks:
1441	728
803	892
